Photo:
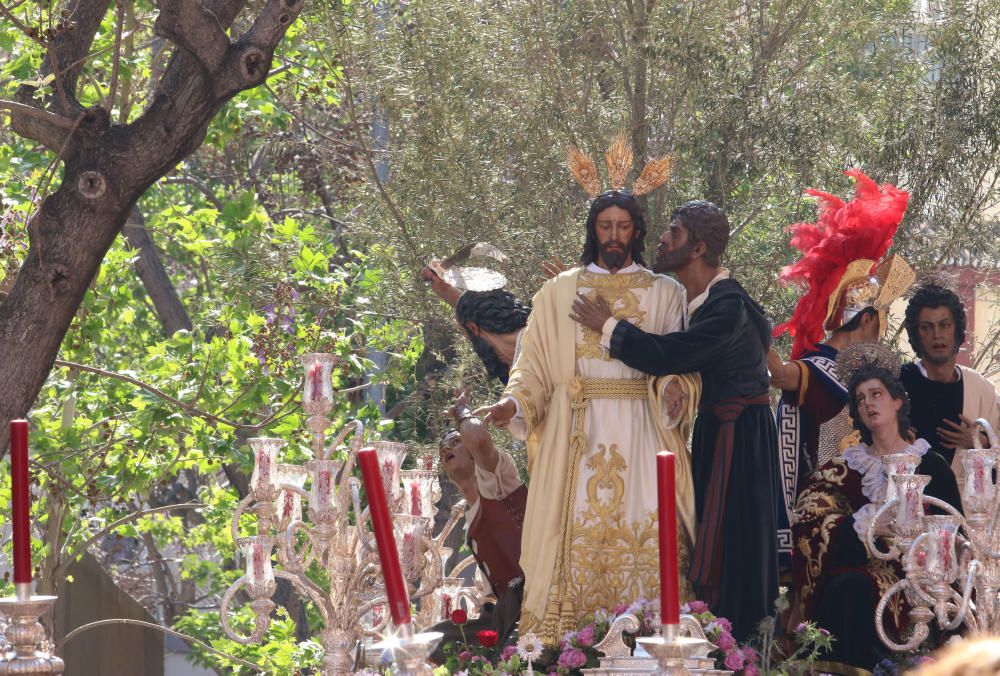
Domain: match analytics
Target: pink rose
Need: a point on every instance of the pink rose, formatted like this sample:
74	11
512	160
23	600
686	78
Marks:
734	660
508	652
573	658
465	656
750	655
751	670
698	607
724	624
586	636
726	641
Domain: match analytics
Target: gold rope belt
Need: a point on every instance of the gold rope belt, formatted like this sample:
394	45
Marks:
608	388
581	391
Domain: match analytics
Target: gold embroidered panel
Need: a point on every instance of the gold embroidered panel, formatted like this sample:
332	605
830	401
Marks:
619	292
611	559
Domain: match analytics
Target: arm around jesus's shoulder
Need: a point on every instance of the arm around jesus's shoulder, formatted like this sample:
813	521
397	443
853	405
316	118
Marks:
712	330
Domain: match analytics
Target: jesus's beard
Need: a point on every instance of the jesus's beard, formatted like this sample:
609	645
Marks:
615	257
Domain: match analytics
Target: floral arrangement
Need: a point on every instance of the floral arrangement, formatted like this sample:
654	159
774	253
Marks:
718	630
575	651
485	656
576	648
764	655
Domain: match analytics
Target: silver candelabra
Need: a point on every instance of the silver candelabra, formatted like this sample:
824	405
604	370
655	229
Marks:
951	562
27	650
335	542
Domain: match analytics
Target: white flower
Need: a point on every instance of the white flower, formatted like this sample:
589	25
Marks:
529	646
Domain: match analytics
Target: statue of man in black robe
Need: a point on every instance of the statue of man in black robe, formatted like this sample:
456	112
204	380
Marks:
734	445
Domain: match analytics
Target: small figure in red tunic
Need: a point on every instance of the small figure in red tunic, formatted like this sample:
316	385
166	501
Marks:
489	482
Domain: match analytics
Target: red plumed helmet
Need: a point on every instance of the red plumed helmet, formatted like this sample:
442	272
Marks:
845	232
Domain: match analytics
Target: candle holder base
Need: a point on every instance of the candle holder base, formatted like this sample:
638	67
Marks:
410	652
672	652
25	633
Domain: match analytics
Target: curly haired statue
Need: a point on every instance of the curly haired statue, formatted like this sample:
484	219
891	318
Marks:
498	311
933	296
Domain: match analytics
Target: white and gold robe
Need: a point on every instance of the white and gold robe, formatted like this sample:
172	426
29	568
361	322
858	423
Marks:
590	530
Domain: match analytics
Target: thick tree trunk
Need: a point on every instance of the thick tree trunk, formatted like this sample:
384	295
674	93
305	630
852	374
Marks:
68	242
108	167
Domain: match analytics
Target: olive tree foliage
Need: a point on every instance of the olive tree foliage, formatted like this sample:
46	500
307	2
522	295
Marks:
186	334
110	158
756	101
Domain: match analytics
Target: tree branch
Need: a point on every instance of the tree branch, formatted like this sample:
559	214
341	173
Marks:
23	109
155	279
194	28
116	59
134	516
6	11
202	188
305	123
36	124
193	411
272	22
67	48
367	152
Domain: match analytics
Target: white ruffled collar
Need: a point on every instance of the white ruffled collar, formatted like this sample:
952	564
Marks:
873	476
874	480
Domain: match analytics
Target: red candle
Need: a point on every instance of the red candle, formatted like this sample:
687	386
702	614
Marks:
670	603
20	500
395	585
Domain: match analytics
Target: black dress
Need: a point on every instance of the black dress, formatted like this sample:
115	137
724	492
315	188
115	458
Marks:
839	585
734	447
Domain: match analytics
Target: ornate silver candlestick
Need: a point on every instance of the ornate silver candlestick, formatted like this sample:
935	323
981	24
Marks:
336	536
672	651
31	647
951	562
681	649
410	651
